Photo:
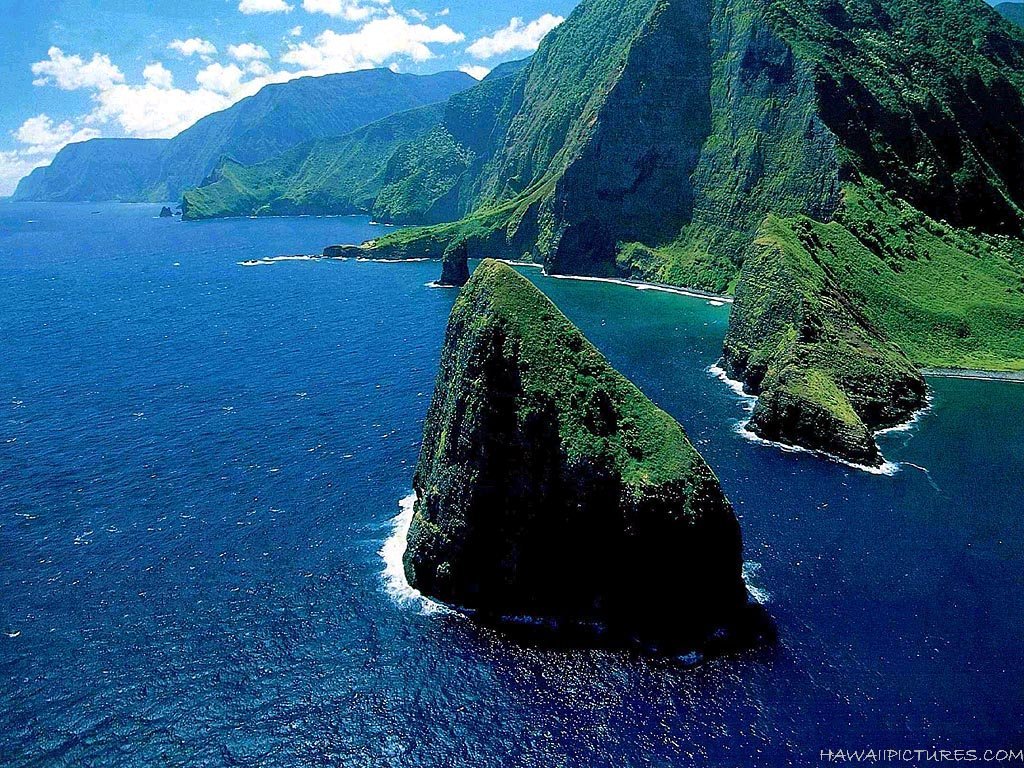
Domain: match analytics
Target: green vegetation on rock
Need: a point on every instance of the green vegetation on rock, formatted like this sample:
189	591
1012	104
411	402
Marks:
548	485
826	376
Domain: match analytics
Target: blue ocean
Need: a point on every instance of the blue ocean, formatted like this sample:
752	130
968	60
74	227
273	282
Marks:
201	462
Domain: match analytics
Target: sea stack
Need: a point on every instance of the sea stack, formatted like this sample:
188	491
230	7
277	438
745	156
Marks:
549	487
166	213
455	265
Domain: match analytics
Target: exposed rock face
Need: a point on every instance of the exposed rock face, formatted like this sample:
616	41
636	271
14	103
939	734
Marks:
166	213
825	376
455	265
549	486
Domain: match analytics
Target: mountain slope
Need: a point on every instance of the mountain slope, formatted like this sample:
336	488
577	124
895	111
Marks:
859	178
96	170
419	176
257	128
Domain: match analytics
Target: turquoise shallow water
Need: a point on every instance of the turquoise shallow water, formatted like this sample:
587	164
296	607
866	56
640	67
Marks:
199	463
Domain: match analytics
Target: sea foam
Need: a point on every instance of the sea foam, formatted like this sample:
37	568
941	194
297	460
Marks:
395	583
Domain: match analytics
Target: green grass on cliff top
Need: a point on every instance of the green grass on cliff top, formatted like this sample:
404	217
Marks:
947	297
648	446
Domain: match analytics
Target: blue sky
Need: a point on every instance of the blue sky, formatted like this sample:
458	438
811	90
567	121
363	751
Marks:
76	69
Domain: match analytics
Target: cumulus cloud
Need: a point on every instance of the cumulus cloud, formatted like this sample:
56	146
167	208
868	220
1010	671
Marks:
69	73
479	72
295	31
517	36
156	106
158	75
264	6
370	46
193	46
349	10
40	138
220	79
247	52
41	135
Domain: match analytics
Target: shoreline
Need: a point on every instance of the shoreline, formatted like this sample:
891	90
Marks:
716	299
974	374
392	552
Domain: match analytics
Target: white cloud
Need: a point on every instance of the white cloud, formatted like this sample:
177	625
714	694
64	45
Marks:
154	107
69	73
372	45
220	79
443	12
149	112
264	6
478	72
158	75
193	46
349	10
258	68
416	14
247	52
295	31
40	139
41	136
517	36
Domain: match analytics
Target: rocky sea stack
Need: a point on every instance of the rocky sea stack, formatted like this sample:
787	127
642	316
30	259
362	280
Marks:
166	213
548	486
455	265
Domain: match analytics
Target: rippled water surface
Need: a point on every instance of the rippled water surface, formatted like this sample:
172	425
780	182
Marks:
200	461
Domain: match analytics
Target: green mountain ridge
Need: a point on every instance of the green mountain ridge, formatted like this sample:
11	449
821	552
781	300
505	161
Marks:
865	154
255	129
406	168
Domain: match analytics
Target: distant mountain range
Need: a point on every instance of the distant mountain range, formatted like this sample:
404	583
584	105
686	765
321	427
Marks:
275	119
402	169
1012	11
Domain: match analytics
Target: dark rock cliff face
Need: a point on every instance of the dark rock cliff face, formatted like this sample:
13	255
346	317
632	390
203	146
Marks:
455	265
549	486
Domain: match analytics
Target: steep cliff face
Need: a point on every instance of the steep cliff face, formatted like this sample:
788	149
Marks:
549	486
868	153
279	117
96	171
455	265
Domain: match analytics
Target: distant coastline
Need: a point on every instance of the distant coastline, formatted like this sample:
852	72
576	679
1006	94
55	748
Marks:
1016	377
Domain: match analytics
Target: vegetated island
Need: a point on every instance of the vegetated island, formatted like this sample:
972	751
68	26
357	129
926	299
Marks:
549	489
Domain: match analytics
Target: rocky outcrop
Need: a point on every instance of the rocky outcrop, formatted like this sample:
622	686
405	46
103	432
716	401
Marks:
827	378
166	213
455	265
549	486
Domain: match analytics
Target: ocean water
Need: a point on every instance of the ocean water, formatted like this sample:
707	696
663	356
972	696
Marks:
200	463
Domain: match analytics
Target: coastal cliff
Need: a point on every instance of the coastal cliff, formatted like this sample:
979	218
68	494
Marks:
549	486
826	377
866	153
